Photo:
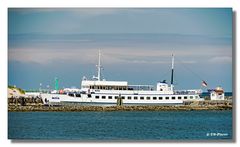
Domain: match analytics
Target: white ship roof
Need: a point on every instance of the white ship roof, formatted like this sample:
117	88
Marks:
104	83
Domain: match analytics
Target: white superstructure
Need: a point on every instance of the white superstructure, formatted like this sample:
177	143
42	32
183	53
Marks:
101	91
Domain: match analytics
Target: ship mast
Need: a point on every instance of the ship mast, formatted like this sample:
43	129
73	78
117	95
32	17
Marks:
172	72
99	66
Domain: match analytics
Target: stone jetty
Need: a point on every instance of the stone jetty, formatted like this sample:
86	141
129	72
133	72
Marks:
114	108
36	105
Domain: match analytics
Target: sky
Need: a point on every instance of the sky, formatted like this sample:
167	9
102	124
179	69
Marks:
136	46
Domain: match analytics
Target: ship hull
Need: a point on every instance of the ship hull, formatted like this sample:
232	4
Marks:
104	99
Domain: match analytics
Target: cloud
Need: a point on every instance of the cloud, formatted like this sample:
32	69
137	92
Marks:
86	56
222	59
142	49
44	56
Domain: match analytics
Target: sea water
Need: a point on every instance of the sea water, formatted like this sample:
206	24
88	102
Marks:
119	125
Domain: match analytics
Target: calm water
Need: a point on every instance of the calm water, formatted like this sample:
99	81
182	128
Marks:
169	125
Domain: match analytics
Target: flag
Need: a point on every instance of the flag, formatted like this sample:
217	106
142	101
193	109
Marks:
204	84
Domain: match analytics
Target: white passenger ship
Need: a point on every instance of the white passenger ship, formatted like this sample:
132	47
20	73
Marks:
102	92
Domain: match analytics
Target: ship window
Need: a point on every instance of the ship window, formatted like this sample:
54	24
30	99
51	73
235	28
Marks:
129	97
71	94
123	97
185	97
109	97
154	98
191	97
135	97
161	89
116	97
103	97
196	96
141	98
173	98
148	98
120	88
160	98
97	97
167	98
78	95
85	86
179	97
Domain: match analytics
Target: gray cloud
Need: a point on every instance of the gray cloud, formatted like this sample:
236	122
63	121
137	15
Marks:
109	55
222	59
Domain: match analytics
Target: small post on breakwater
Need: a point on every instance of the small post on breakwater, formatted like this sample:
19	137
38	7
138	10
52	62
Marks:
22	101
119	100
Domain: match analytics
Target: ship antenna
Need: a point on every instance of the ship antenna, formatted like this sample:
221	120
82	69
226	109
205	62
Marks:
172	72
99	66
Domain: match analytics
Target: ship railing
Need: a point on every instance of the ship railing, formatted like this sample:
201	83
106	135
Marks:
187	92
141	87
